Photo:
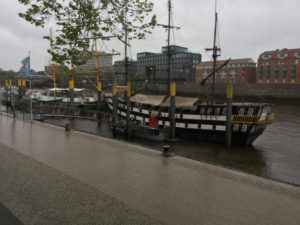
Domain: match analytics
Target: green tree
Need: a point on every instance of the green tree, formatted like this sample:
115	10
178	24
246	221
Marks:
7	74
78	21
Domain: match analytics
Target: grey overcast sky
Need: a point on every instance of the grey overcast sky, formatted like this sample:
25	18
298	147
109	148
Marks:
246	28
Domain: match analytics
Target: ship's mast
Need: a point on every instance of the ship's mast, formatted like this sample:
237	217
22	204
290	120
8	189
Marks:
215	55
169	48
52	63
125	50
71	49
169	54
97	59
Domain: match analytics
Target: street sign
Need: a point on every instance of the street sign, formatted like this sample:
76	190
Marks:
121	88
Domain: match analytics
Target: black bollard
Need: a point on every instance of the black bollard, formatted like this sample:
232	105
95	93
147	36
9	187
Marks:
67	127
166	152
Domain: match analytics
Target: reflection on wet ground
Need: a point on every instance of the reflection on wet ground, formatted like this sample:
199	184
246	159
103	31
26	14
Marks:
274	155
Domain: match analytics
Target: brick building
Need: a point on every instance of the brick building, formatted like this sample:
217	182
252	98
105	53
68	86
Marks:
279	67
236	71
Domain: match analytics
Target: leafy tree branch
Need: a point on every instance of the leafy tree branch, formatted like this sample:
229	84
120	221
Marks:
78	21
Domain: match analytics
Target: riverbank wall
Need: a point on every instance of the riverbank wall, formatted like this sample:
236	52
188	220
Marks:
274	93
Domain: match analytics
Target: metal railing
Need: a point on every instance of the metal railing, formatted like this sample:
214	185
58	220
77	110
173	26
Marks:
63	111
42	112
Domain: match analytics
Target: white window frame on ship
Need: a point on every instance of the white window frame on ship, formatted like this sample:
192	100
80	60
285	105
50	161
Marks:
242	111
209	110
265	110
250	111
236	127
244	128
202	110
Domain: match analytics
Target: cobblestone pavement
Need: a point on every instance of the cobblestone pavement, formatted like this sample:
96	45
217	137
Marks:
174	190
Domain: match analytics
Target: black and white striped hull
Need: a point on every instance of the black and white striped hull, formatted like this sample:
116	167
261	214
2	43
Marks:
190	125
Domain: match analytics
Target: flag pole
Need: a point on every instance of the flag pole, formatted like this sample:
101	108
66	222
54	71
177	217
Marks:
30	101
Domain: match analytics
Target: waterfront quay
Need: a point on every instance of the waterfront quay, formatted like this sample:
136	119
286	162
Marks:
50	176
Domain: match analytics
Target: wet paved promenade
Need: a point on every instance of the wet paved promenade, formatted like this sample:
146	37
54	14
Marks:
171	191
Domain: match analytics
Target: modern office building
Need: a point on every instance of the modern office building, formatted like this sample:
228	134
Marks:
119	71
236	71
104	62
183	64
119	67
279	67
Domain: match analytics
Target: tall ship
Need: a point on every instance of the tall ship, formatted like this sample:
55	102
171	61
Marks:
150	116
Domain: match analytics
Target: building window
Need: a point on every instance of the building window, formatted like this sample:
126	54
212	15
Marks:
223	74
276	72
266	57
281	56
205	74
284	72
293	72
233	73
297	55
268	72
261	72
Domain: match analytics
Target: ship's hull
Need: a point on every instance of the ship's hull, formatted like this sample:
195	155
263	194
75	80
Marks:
237	138
206	122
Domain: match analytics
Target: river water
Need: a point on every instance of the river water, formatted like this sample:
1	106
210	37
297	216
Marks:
274	155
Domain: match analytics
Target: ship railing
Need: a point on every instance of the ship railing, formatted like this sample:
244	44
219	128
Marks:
252	119
66	111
